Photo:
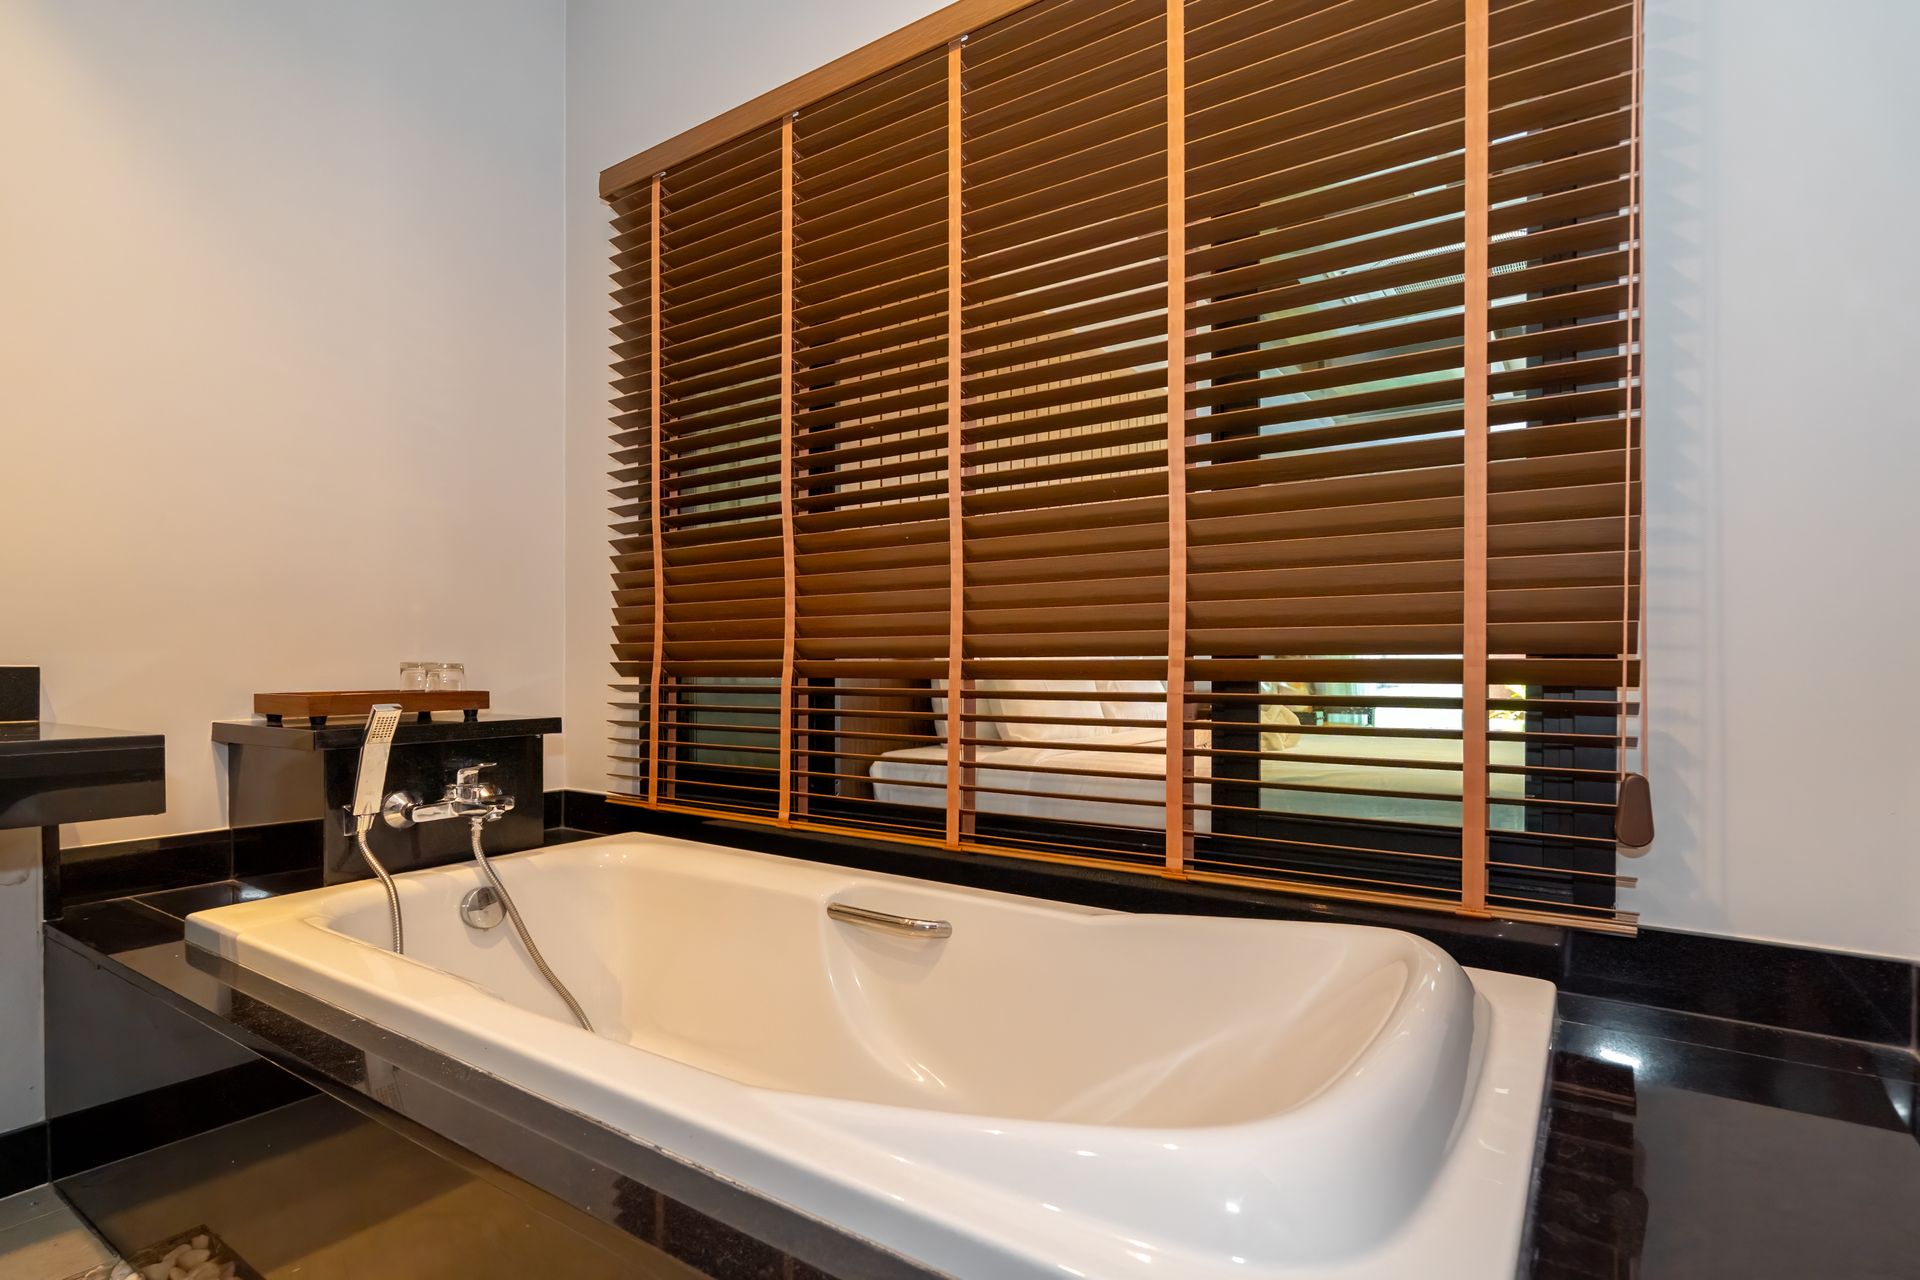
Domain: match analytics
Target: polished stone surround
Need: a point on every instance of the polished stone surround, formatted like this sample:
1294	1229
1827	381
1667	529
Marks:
1709	1100
1676	1143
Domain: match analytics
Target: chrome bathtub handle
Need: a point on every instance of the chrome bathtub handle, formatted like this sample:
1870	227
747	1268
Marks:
888	921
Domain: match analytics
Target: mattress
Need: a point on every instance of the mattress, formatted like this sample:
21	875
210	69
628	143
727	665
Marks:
1011	773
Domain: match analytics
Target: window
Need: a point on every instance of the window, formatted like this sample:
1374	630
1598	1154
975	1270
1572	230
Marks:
949	512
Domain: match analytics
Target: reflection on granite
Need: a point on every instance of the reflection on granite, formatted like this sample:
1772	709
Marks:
1760	1154
315	1189
93	873
1677	1146
1589	1213
143	866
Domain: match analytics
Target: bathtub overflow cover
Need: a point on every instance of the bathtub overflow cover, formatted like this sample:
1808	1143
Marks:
482	908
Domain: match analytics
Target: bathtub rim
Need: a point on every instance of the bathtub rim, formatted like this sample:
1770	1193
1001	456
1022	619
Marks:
1448	1233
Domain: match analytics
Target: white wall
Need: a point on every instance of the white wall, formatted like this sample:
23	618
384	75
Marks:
637	75
280	373
1784	443
280	343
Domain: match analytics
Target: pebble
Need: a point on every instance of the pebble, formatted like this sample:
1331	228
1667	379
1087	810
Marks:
193	1260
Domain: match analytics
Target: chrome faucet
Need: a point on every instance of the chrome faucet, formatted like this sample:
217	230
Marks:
467	797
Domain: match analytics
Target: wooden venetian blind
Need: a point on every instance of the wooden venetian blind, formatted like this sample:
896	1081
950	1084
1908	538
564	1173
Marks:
1197	437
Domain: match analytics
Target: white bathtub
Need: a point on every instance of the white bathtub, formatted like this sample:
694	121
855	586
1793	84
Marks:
1052	1090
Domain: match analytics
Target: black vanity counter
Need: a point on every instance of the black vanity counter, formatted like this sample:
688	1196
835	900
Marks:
57	773
1676	1147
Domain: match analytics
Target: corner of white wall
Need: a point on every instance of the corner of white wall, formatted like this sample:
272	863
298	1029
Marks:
1783	618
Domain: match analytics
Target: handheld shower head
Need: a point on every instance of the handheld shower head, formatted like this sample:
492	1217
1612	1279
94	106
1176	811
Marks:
370	786
381	722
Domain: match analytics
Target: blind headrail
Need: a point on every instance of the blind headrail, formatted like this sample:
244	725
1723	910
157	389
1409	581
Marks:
931	32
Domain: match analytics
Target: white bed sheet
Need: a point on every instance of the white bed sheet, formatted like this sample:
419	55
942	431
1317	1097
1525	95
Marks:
1015	770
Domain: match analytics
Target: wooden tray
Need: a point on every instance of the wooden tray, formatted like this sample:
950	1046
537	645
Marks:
315	707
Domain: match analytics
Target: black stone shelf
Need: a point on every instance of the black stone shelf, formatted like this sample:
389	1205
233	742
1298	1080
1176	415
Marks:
19	693
349	733
55	773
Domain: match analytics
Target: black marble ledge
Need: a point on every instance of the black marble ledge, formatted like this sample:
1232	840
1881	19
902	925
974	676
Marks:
340	734
1826	993
1841	1082
32	739
94	873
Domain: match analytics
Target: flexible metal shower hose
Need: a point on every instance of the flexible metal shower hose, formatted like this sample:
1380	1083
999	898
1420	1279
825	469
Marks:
520	927
393	894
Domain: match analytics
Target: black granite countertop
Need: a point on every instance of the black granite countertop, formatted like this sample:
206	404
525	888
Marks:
24	738
1677	1146
341	732
54	773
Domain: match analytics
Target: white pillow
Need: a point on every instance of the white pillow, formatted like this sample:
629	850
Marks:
981	729
1014	711
1135	708
1274	723
1275	719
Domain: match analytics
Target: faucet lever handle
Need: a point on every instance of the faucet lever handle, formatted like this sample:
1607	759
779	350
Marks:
471	774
